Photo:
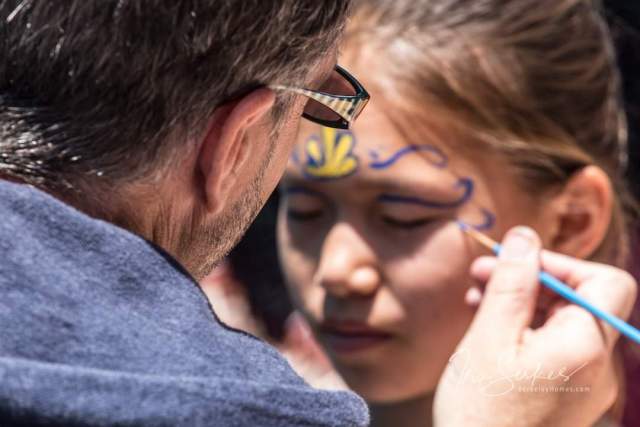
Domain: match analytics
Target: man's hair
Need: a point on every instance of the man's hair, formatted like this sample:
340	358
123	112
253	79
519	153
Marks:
115	88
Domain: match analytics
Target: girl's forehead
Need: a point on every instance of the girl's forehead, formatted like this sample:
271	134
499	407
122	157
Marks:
373	146
375	160
341	160
373	127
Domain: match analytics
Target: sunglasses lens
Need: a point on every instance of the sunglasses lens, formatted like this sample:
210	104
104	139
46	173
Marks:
336	84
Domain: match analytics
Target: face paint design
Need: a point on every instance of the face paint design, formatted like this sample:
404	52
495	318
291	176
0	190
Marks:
435	156
467	190
438	159
487	224
331	156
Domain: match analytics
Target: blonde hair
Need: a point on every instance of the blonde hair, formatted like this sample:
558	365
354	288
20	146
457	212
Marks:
534	80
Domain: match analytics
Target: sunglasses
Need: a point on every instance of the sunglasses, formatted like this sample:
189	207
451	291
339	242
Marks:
338	101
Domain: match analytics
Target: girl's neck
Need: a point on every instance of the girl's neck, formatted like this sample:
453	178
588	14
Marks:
407	413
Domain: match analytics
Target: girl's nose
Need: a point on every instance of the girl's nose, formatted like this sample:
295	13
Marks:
348	265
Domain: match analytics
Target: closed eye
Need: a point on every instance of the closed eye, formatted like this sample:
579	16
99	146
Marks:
302	216
406	224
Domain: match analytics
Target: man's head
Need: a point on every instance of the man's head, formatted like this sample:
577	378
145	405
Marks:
153	114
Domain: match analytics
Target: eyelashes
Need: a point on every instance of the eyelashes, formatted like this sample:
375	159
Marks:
406	224
303	216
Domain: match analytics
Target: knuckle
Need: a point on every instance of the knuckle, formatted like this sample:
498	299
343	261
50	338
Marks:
619	277
630	285
625	288
511	284
596	358
515	292
592	355
512	281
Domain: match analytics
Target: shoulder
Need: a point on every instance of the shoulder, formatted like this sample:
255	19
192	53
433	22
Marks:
122	398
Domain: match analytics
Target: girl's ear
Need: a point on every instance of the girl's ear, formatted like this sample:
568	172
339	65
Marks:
581	213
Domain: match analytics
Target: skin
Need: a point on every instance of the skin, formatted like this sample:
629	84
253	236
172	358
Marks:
572	353
402	269
200	208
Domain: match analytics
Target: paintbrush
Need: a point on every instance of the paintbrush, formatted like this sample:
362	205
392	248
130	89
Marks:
560	288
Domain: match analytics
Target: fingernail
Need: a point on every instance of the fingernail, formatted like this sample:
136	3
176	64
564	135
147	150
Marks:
519	243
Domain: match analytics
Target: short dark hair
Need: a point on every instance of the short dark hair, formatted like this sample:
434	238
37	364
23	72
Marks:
112	88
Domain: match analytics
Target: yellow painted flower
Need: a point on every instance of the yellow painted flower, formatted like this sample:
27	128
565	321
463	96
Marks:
332	156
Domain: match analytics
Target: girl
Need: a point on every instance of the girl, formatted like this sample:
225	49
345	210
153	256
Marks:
493	113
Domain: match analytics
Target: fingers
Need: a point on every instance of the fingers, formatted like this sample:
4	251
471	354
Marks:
482	268
611	290
603	286
509	299
572	271
608	288
565	268
473	296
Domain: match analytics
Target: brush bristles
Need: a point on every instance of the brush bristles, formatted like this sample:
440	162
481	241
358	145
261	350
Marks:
480	238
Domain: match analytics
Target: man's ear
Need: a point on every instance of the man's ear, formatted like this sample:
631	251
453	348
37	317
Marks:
582	212
225	150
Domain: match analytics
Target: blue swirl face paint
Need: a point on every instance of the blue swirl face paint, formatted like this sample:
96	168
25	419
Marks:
465	183
330	156
440	160
489	220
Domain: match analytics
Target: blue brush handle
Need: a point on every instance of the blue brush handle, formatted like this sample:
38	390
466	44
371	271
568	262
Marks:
572	296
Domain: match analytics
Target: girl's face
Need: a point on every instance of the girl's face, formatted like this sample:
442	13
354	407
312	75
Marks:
372	254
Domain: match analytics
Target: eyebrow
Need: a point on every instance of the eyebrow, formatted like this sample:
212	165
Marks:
389	190
296	182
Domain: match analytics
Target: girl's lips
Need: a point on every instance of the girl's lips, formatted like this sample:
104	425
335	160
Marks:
351	337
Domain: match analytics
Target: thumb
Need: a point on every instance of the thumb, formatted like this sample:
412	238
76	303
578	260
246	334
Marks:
509	300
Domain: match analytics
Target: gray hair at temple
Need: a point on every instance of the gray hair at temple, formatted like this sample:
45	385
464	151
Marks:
94	93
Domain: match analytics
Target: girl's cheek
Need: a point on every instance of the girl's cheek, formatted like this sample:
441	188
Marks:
434	278
291	270
298	268
433	303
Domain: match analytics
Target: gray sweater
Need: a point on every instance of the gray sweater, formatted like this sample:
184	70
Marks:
100	327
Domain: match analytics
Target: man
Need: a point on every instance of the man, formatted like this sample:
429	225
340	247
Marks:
138	137
137	141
